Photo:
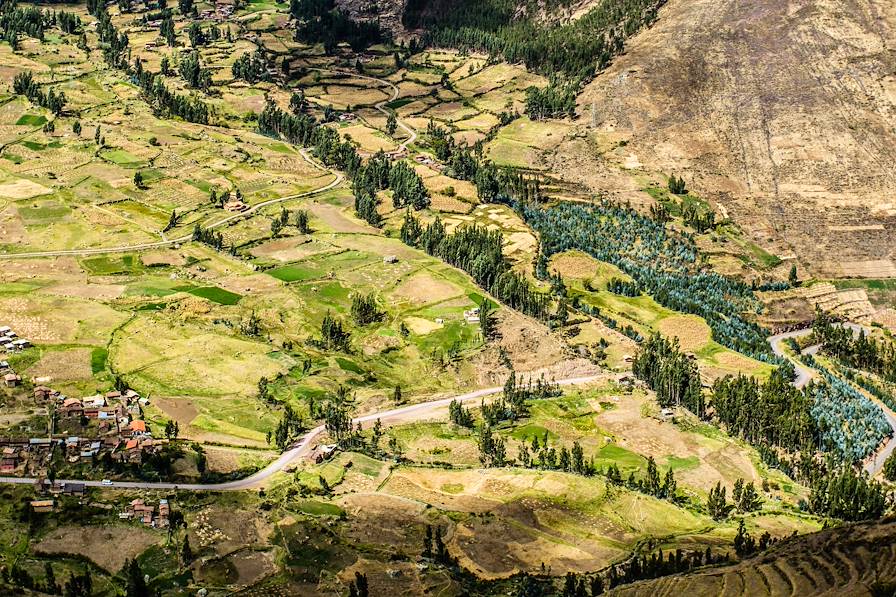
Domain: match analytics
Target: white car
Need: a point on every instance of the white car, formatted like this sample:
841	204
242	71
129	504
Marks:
106	482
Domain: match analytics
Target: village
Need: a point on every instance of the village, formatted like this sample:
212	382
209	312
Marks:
103	429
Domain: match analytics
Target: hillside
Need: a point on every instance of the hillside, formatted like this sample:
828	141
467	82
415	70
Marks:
780	112
854	560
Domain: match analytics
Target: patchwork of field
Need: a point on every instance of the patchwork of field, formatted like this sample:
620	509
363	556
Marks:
588	278
220	340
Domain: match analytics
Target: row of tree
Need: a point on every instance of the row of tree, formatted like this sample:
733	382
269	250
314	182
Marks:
251	68
478	251
16	21
670	373
24	84
860	351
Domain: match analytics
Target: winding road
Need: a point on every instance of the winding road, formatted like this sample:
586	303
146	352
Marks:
804	374
405	414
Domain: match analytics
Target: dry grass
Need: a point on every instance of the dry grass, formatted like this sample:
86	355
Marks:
423	288
63	365
692	331
106	546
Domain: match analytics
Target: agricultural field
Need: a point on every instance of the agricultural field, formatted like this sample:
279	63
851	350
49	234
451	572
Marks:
231	280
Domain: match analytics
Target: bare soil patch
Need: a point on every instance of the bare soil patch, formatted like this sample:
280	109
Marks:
107	546
252	566
73	364
289	249
423	288
718	460
178	409
88	291
23	189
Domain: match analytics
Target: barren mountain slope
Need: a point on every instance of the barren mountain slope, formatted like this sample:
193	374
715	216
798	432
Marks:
781	111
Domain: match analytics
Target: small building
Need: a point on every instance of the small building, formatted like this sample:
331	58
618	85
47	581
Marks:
43	393
94	402
70	488
320	453
12	380
390	259
137	427
43	505
235	206
71	407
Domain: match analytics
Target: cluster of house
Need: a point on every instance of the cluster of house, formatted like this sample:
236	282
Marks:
118	432
147	513
425	160
47	491
10	341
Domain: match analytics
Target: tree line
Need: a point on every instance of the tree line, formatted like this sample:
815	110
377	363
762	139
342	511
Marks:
670	373
477	251
24	84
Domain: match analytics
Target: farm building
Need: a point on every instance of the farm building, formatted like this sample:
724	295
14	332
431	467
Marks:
42	505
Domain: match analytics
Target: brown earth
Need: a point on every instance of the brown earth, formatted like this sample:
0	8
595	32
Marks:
94	543
851	560
782	113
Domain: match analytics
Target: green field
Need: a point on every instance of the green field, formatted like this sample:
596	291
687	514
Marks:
212	293
113	265
31	120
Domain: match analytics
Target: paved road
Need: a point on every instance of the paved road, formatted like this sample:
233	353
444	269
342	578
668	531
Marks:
405	414
803	374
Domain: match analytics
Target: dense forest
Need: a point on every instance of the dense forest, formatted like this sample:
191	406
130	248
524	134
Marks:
320	22
670	373
664	263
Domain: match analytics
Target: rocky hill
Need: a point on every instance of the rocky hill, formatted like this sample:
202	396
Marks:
781	112
387	13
